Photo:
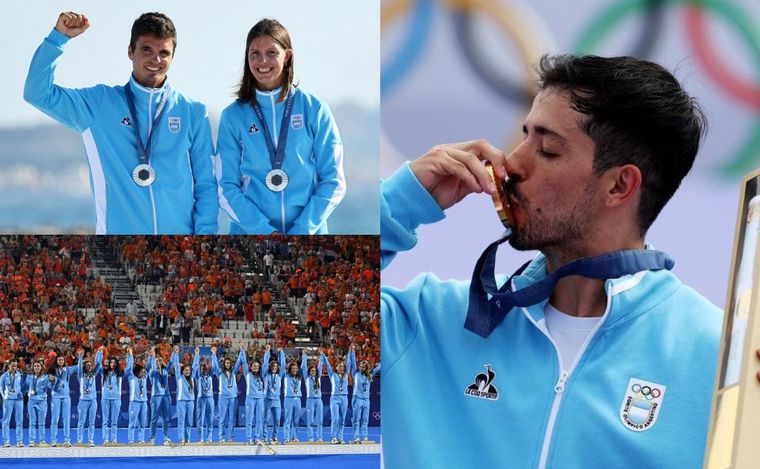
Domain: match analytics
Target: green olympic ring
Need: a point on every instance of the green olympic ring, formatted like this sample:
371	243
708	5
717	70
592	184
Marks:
747	157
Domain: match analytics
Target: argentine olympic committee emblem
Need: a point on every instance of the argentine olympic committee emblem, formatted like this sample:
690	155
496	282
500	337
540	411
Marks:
641	404
175	124
482	386
296	121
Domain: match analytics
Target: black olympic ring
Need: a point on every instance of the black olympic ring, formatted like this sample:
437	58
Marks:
465	28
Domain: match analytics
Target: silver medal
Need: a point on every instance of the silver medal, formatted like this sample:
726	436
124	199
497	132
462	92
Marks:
143	175
277	180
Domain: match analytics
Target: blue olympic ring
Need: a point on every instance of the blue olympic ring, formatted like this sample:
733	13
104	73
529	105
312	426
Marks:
419	31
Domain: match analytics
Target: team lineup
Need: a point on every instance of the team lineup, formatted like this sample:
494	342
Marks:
274	389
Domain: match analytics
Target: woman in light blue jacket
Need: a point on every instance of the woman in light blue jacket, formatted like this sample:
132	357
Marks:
37	385
138	399
255	391
87	408
273	372
314	405
185	377
281	155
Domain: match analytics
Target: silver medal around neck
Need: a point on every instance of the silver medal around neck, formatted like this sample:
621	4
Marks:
277	180
143	175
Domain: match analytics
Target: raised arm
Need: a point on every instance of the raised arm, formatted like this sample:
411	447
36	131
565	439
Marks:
283	371
327	365
351	360
79	368
151	365
98	362
265	363
130	363
75	108
174	360
197	363
215	363
304	364
376	370
242	361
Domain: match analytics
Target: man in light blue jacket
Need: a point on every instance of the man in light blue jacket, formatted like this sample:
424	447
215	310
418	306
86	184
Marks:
149	147
591	355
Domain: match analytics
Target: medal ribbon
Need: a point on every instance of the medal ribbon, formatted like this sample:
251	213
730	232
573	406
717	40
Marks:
483	315
143	151
278	156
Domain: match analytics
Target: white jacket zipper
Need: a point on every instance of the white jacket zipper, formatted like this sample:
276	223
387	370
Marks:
559	387
150	188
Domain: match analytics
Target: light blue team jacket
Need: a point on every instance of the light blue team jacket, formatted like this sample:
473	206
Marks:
655	329
183	198
13	382
254	384
313	162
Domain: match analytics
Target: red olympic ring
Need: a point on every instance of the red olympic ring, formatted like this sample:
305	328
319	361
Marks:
743	91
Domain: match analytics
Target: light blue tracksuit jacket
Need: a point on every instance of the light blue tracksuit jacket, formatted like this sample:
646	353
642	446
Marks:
455	399
183	199
313	162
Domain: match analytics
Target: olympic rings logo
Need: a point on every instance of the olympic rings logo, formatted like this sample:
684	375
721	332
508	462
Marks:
376	415
531	36
646	392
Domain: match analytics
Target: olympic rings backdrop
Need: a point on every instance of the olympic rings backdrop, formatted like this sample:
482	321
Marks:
456	70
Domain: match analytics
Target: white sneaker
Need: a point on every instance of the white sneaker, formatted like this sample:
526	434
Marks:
365	439
20	444
54	444
67	444
91	444
311	440
357	441
129	443
7	445
334	441
167	442
295	440
31	444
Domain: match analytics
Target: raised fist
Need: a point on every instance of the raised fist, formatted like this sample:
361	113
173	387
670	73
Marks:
269	347
213	349
72	24
176	349
80	353
197	350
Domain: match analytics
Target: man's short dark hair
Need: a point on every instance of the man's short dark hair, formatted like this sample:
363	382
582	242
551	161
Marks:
153	24
637	113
